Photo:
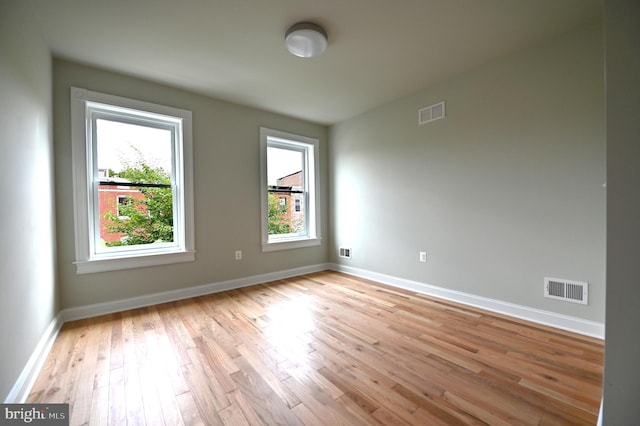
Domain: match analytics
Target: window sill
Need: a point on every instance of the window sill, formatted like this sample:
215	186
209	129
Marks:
131	262
291	244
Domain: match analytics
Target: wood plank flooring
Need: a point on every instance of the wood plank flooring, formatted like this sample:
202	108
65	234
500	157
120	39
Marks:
324	348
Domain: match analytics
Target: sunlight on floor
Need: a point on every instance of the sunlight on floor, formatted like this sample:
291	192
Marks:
288	328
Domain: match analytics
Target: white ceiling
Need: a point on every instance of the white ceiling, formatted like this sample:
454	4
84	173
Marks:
379	50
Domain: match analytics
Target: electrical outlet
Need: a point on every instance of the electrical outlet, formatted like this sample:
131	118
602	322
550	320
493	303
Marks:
423	256
238	254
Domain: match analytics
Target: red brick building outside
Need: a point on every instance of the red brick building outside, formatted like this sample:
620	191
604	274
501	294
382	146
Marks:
109	198
293	200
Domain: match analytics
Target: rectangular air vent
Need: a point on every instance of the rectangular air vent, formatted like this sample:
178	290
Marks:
568	290
431	113
344	252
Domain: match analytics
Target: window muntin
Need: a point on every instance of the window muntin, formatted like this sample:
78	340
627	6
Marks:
139	152
290	215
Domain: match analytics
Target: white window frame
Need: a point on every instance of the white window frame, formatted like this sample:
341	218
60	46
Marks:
85	177
310	147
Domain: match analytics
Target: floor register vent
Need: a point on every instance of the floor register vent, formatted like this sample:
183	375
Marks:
568	290
344	252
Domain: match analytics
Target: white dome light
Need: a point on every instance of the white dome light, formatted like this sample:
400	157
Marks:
306	39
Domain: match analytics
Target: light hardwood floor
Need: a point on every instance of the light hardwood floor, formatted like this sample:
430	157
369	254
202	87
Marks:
324	348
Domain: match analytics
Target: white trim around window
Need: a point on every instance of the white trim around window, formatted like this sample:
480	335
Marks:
310	234
89	258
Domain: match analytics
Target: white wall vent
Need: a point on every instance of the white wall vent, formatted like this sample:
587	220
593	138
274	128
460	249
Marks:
431	113
570	291
344	252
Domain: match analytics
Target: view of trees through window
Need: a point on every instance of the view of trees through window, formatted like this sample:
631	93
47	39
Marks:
135	194
136	200
285	191
145	219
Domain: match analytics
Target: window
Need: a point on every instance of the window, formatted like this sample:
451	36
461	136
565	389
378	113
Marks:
289	167
123	204
133	198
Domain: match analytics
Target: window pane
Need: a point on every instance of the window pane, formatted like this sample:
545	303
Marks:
286	191
130	215
282	163
122	146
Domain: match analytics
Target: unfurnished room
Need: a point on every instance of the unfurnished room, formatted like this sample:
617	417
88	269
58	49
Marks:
320	212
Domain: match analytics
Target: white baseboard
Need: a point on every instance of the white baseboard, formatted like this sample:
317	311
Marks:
21	388
89	311
600	414
563	322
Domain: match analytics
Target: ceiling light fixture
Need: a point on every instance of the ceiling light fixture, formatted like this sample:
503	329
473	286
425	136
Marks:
306	39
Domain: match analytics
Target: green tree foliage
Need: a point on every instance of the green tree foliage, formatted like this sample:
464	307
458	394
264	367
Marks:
150	219
278	223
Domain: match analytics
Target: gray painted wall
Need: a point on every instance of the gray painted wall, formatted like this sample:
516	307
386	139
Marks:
622	350
506	190
227	191
27	251
522	133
